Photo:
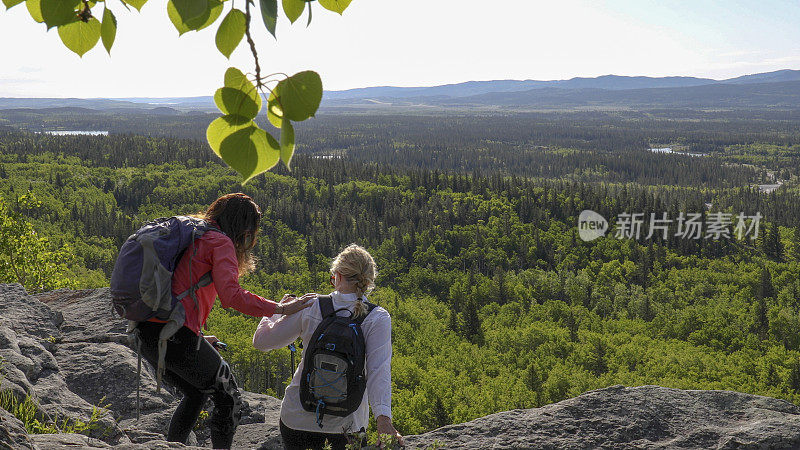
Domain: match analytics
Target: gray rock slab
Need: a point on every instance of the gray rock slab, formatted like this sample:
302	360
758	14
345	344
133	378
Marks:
26	315
73	441
107	373
87	315
258	437
635	417
12	432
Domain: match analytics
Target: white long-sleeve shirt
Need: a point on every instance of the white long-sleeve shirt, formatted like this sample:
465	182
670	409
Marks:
279	331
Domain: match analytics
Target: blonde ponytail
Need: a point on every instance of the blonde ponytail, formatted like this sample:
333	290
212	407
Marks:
355	263
360	309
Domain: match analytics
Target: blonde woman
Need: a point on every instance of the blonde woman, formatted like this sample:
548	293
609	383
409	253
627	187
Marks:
353	274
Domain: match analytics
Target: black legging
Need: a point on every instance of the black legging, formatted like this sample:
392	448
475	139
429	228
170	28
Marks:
194	372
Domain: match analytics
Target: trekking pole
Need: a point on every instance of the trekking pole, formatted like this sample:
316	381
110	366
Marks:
293	350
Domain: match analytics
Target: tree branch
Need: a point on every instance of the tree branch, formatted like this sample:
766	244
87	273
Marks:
250	41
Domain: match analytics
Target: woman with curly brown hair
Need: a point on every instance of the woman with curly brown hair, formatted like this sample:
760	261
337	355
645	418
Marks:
191	364
353	274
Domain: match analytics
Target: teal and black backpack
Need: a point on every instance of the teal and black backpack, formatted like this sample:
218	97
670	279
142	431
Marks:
333	379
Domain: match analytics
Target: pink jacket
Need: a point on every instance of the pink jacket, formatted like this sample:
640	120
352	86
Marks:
215	252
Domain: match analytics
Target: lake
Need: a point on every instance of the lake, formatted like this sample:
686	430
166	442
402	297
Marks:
669	150
76	132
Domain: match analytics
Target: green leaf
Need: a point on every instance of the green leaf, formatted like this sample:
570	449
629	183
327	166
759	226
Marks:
80	37
250	151
293	9
210	16
239	96
230	32
12	3
215	8
234	78
223	127
189	10
108	29
242	145
35	9
296	98
236	102
59	12
274	110
176	20
335	5
269	12
287	142
135	3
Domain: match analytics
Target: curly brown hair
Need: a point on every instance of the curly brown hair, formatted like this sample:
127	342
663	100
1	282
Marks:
238	216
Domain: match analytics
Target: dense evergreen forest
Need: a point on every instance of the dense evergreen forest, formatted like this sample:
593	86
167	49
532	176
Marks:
496	301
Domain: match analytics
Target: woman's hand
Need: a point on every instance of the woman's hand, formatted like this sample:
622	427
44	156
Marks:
384	425
211	339
291	304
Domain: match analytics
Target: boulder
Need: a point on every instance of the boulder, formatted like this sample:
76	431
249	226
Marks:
633	417
69	352
12	432
30	330
86	316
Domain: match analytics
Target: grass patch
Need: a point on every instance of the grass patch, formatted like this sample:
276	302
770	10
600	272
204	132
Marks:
36	421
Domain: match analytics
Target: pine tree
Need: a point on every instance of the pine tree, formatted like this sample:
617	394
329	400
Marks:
454	323
796	244
764	291
794	376
472	322
439	415
598	364
646	309
533	377
502	286
772	245
765	287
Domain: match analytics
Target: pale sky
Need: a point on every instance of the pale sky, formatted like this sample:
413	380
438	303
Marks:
414	43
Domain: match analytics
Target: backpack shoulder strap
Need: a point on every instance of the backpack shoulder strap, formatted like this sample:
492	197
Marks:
201	226
204	281
325	305
370	307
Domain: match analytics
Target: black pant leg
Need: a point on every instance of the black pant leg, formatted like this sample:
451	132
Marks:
195	372
187	412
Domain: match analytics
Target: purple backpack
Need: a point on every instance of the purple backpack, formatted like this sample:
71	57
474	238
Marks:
141	283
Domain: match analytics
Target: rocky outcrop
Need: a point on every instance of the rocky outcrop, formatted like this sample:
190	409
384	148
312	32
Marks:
637	417
12	432
29	342
69	352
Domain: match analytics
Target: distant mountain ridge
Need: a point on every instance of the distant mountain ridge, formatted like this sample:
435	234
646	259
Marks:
609	82
783	95
780	88
469	88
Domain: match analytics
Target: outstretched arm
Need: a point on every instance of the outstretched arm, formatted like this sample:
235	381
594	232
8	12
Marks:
225	273
281	330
